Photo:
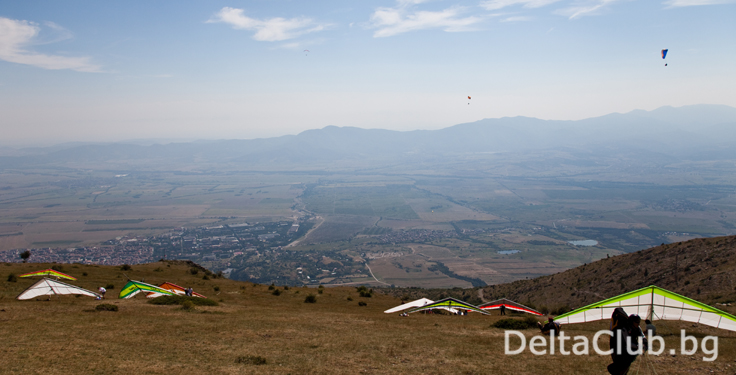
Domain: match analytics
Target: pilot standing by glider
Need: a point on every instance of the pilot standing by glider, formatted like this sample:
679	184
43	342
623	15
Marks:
102	292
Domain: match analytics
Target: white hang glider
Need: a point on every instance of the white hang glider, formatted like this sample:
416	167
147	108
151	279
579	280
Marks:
48	287
409	305
653	303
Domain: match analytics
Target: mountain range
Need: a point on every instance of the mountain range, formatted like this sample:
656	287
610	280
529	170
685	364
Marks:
696	132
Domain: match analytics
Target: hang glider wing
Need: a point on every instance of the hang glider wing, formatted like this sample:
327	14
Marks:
653	303
48	287
511	305
408	305
48	272
134	287
171	287
449	304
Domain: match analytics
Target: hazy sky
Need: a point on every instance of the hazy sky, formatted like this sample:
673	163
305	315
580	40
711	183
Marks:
99	70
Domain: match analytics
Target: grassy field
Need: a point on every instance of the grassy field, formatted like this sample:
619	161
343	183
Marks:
254	331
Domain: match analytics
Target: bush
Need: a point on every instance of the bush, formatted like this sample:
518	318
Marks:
84	273
109	286
57	268
320	291
179	300
350	298
193	271
271	287
311	299
187	305
361	303
158	269
205	277
276	292
106	307
509	323
366	293
126	267
286	287
251	360
12	278
216	288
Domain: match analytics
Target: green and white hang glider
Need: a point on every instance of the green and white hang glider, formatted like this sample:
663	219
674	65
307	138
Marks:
653	303
134	287
449	304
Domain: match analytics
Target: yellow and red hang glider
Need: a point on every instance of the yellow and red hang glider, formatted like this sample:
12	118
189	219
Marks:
49	272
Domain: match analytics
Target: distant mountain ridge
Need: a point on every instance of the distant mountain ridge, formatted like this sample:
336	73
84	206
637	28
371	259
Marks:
698	131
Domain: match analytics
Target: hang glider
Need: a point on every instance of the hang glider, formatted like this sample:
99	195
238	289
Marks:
48	287
49	272
653	303
449	304
171	287
408	305
134	287
511	305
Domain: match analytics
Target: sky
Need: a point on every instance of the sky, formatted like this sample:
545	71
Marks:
81	71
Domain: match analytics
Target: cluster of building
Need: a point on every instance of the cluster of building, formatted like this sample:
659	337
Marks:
106	255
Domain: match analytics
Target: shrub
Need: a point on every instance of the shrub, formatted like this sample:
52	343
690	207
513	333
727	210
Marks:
193	271
350	298
106	307
126	267
271	287
251	360
320	291
178	300
366	293
12	278
25	255
509	323
57	268
216	288
158	269
110	286
286	287
361	303
187	305
311	299
276	292
205	277
84	273
321	286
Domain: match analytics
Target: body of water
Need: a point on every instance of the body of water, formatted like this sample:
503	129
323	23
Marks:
584	242
508	252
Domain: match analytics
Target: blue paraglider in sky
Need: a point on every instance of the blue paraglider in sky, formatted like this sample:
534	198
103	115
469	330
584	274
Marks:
664	54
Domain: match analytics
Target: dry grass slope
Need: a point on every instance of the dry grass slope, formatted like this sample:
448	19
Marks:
254	331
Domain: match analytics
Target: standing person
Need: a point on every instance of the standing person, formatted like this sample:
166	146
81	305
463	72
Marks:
651	329
625	328
503	309
102	292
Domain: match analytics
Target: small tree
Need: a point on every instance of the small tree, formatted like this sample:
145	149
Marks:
25	255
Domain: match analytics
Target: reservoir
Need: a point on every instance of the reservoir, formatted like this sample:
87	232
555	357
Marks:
509	252
584	242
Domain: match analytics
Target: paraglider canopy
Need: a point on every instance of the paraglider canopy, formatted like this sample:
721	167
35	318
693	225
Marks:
664	54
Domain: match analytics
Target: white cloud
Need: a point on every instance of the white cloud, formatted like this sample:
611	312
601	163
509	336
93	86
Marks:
498	4
17	35
687	3
516	19
589	8
268	30
402	19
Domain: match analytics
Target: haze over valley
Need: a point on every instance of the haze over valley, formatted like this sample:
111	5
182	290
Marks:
479	203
